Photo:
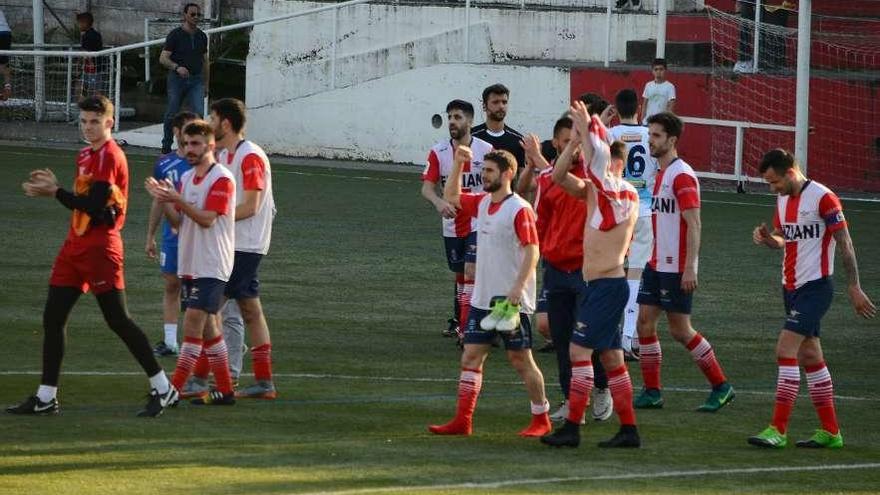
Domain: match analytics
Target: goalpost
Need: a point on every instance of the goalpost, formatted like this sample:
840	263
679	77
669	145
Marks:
811	90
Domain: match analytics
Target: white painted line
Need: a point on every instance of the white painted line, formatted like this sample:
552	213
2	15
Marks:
607	477
354	177
411	379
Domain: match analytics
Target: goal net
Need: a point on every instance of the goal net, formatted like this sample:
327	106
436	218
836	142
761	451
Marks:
47	88
759	86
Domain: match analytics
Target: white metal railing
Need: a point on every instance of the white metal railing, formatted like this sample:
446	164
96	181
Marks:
740	127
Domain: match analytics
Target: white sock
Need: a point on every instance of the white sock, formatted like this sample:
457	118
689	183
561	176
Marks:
631	312
540	408
160	382
171	334
46	393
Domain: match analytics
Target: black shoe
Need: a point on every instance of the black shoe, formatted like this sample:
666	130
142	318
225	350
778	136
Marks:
621	4
547	347
162	349
567	435
627	436
451	329
157	402
215	398
33	405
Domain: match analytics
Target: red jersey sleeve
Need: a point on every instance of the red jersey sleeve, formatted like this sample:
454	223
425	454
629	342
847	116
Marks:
687	192
470	204
220	196
253	172
432	169
524	223
107	167
831	212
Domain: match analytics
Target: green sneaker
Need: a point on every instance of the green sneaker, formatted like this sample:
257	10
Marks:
510	320
499	309
822	439
649	398
769	438
718	398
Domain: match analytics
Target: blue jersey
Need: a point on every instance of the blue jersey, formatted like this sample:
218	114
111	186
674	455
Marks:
171	167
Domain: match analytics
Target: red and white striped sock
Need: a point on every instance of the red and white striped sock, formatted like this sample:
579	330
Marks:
219	358
469	384
467	290
186	360
650	359
822	393
788	383
704	355
203	367
262	360
622	393
579	391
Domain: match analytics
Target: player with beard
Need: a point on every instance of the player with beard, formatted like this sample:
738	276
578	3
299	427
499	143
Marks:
459	232
494	131
505	274
204	214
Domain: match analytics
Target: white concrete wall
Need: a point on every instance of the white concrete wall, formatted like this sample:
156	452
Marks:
389	119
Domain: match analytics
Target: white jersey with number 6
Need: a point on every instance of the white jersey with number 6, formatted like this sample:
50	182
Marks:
640	167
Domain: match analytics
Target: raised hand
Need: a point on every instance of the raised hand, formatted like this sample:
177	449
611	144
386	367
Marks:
41	182
463	154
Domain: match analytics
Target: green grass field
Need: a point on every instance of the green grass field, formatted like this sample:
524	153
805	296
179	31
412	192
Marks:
356	293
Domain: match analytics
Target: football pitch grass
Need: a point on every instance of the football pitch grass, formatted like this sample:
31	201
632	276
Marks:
356	293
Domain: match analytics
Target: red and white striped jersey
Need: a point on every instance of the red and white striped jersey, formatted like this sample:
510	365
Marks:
676	189
438	169
616	199
807	223
252	171
207	252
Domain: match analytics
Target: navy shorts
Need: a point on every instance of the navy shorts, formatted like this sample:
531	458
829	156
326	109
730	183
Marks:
168	258
5	44
243	282
600	308
513	341
806	305
202	293
664	290
541	302
460	250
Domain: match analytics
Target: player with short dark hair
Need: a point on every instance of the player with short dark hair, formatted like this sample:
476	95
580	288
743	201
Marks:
808	224
459	232
494	131
639	169
670	277
203	212
254	214
612	209
659	94
171	166
91	259
505	274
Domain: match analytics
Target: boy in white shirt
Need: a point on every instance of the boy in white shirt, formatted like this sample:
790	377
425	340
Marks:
659	94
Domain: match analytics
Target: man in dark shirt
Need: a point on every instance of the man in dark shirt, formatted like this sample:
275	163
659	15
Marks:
90	41
494	131
184	55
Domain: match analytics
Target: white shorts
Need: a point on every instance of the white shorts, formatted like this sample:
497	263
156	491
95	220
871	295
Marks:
642	244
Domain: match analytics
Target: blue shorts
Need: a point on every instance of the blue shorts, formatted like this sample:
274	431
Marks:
600	309
664	290
541	302
168	258
460	250
243	282
806	305
513	341
202	293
